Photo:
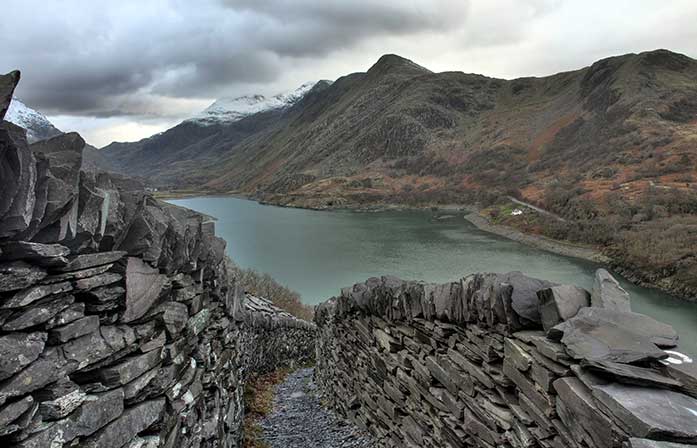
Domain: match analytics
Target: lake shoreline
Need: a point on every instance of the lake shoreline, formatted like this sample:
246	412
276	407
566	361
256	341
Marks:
471	214
538	241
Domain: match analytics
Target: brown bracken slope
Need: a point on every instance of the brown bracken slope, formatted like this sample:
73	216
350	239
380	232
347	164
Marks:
611	147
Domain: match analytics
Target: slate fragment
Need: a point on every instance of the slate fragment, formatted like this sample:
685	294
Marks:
607	293
560	303
629	374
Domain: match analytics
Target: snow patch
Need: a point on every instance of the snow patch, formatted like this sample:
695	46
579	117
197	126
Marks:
37	125
228	110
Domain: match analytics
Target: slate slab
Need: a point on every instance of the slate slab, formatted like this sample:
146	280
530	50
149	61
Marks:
33	293
59	399
11	412
127	426
629	374
18	275
607	293
560	303
684	369
661	334
18	350
649	412
646	443
524	297
143	286
598	334
24	250
581	410
73	330
37	314
85	261
96	411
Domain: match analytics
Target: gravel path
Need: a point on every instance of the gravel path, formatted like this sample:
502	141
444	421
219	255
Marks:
298	420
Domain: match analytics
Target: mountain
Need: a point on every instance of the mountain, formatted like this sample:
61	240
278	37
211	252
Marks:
611	148
400	129
39	128
228	110
37	125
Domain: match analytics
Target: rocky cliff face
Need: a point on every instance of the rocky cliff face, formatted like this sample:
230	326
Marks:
119	324
503	360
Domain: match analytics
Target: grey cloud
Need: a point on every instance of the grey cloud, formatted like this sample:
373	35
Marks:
87	58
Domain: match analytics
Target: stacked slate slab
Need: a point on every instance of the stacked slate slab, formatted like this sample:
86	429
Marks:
119	323
504	360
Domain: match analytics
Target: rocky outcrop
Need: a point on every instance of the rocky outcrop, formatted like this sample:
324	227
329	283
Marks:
503	360
119	323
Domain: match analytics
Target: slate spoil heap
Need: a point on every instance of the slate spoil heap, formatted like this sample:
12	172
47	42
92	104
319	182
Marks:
504	360
119	323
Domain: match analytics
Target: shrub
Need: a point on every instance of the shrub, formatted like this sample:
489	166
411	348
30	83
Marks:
263	285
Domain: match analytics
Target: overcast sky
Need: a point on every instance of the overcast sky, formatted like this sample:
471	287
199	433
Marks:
126	69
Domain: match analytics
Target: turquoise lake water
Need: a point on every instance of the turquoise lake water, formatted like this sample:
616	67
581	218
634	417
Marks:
318	252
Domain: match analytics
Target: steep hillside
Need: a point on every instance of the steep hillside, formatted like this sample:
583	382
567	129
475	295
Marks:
400	126
612	148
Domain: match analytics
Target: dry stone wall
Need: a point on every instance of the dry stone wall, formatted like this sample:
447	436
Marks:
504	360
119	323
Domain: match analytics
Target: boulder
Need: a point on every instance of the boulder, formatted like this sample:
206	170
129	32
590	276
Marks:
143	286
607	293
560	303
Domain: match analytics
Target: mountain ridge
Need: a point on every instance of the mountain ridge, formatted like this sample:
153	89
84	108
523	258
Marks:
611	147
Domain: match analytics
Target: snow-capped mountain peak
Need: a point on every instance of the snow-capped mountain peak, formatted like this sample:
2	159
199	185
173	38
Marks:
228	110
37	125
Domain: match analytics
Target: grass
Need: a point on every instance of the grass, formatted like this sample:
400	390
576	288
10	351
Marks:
258	399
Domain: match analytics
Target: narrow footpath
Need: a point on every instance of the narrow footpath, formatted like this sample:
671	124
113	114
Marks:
298	420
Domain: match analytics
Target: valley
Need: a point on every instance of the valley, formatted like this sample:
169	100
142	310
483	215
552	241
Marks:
610	148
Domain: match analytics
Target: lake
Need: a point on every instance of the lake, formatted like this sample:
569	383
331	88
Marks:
318	252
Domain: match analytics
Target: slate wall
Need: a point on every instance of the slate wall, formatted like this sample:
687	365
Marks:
503	360
119	323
